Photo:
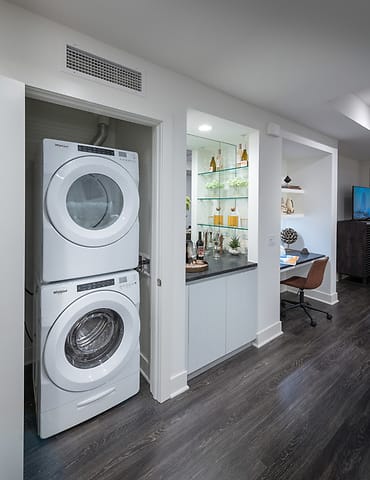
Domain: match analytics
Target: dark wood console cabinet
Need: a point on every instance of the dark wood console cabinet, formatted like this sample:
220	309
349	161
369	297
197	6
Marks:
353	248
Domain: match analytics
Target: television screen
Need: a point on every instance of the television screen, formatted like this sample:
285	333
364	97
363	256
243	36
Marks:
360	203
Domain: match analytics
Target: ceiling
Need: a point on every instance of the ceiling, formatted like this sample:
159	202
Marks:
290	57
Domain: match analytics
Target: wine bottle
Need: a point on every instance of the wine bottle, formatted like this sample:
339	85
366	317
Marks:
244	158
200	247
212	165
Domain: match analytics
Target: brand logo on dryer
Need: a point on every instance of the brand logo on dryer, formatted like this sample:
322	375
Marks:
59	292
61	145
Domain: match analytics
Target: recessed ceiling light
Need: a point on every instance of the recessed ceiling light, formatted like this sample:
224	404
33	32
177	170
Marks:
205	127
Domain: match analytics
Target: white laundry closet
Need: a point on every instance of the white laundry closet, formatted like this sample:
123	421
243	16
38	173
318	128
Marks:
49	120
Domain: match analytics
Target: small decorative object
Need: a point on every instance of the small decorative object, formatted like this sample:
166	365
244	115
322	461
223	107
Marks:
288	236
234	245
289	206
221	243
287	181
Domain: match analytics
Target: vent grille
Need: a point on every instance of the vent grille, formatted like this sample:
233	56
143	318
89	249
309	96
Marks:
89	64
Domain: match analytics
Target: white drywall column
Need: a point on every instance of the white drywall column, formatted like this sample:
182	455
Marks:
12	277
268	291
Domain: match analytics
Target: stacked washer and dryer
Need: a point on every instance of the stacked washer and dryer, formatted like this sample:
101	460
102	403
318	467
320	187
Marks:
86	353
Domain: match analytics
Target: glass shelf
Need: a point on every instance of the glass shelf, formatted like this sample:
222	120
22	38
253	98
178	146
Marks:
222	198
231	169
221	226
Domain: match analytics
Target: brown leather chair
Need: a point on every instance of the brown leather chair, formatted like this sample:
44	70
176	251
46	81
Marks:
313	280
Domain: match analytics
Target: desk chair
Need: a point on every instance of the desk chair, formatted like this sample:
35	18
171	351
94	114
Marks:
313	280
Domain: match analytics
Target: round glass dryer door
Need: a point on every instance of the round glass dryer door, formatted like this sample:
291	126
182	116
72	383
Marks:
91	340
92	201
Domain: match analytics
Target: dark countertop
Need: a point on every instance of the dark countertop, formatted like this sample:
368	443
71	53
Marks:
303	258
227	263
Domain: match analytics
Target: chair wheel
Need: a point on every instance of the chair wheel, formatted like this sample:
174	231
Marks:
313	323
329	317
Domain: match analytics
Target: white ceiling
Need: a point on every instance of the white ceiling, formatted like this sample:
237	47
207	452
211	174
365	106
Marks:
287	56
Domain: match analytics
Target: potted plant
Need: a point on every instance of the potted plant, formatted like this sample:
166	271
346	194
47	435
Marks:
234	245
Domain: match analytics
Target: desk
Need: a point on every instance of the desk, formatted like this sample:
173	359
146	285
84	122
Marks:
303	259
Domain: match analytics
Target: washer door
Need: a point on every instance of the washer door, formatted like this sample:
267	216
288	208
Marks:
92	201
91	340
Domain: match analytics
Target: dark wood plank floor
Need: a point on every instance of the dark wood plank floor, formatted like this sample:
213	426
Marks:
299	408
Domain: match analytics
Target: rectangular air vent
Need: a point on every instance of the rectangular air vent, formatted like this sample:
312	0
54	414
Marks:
97	67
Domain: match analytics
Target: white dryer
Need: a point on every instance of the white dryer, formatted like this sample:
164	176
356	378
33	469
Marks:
86	350
89	205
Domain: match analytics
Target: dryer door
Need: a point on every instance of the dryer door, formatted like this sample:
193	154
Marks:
92	201
91	340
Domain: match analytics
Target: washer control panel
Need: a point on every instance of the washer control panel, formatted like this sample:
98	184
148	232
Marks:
93	285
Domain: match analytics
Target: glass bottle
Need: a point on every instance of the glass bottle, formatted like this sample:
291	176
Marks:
218	218
212	165
210	242
200	247
219	160
244	158
233	218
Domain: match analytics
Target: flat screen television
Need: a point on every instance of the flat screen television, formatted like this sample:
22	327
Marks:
360	203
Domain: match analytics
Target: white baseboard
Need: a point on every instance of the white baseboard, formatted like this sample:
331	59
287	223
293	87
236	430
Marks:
268	334
179	384
144	367
328	298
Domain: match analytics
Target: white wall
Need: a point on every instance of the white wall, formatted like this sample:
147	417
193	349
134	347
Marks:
37	58
315	229
11	278
348	175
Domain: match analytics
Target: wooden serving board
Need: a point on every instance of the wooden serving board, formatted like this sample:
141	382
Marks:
197	266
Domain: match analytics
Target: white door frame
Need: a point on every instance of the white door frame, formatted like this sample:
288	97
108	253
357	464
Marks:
157	382
12	261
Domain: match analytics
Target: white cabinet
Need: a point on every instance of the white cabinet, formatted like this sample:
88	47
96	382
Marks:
206	322
241	309
222	316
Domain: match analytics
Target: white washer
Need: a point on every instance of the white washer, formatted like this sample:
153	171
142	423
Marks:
87	356
89	205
